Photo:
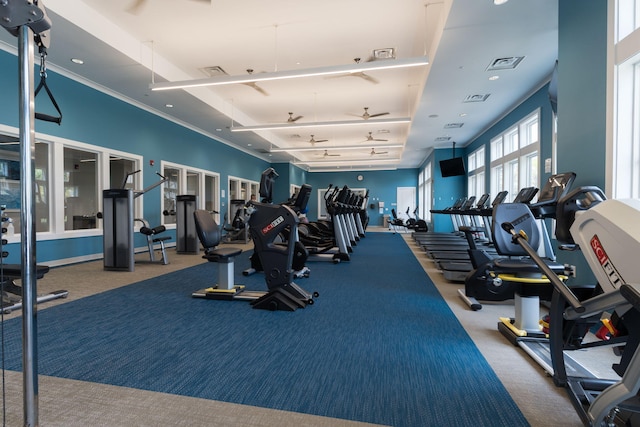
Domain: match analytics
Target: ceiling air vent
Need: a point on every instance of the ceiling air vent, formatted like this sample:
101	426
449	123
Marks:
387	53
214	71
476	98
507	63
442	138
453	125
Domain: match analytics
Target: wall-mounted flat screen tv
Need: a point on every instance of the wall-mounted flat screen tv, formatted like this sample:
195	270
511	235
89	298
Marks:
452	167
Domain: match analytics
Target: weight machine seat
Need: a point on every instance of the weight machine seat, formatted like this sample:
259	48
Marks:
150	232
210	236
221	255
14	271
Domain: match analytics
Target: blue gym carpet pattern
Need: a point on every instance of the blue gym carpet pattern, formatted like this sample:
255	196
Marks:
380	345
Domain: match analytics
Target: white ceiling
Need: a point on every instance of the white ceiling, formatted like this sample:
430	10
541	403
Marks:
128	44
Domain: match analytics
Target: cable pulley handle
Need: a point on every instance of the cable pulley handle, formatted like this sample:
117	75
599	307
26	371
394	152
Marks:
567	294
43	84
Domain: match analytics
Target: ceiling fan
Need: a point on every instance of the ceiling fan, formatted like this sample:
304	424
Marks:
136	6
254	85
367	116
359	74
313	140
371	138
326	154
374	152
292	119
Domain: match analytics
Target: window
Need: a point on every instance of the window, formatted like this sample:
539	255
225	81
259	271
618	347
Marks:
10	184
69	177
240	190
515	157
475	177
425	185
80	189
181	180
625	182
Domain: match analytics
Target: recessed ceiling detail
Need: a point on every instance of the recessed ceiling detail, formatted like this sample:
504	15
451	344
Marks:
507	63
453	125
476	98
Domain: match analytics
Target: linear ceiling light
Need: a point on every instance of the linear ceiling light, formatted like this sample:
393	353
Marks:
327	147
350	162
294	74
354	168
320	124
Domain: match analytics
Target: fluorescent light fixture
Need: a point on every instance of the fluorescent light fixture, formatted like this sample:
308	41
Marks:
320	124
499	2
327	147
294	74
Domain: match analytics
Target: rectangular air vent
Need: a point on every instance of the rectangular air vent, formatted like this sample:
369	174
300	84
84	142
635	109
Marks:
442	138
387	53
453	125
476	98
214	71
507	63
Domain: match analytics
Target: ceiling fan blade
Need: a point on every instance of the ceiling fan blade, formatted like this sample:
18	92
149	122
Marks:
370	138
367	77
292	119
255	86
367	116
359	74
312	140
136	6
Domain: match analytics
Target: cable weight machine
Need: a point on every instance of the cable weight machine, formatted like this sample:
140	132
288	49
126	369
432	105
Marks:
118	224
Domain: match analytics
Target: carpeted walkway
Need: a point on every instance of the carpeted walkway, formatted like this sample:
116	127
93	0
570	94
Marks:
373	348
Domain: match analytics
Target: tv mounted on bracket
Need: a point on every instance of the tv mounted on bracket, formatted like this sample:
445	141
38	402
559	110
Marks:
452	167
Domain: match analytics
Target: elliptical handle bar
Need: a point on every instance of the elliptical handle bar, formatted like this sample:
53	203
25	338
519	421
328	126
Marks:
521	239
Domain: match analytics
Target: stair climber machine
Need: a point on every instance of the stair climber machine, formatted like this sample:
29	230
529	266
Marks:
607	234
266	223
496	278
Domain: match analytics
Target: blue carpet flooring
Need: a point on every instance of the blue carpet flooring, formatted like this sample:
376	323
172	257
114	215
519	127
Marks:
380	345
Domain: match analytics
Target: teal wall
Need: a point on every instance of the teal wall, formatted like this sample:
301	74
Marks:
95	118
288	175
381	185
445	190
582	76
